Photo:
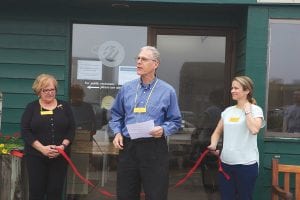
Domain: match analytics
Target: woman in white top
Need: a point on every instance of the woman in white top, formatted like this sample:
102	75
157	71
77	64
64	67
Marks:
239	125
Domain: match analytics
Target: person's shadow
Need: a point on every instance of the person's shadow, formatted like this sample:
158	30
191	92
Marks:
83	112
201	139
85	123
291	119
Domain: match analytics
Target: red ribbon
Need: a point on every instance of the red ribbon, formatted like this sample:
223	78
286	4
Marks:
198	162
222	170
85	180
110	195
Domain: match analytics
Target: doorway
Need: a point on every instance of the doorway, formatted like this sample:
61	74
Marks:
197	63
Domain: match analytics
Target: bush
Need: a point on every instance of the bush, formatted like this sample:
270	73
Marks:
10	142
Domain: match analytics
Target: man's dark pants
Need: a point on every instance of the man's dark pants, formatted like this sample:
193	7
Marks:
143	164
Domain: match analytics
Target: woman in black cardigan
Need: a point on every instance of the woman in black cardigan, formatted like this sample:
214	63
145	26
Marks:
47	124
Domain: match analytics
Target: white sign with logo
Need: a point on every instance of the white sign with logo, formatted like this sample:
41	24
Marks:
111	53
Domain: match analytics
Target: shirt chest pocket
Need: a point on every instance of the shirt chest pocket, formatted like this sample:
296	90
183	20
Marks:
155	110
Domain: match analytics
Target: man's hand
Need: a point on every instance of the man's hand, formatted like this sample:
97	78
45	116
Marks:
157	132
118	141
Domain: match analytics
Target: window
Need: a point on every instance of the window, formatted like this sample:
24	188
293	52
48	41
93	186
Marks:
283	79
103	58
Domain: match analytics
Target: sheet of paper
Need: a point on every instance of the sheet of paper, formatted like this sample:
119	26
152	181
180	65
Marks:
140	130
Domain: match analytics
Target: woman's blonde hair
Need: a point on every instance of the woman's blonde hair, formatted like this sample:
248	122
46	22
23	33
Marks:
42	81
247	84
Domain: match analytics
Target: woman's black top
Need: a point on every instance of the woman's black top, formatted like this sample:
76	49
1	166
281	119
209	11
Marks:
46	127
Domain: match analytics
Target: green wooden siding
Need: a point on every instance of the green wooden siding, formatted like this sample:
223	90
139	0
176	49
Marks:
188	15
256	67
241	45
13	70
29	46
48	42
32	56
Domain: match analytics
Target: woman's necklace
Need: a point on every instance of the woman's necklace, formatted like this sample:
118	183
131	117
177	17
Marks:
49	107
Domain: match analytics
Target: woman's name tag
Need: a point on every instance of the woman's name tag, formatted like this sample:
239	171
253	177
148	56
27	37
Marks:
47	112
234	119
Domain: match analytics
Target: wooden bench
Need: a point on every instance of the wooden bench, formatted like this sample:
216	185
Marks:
283	192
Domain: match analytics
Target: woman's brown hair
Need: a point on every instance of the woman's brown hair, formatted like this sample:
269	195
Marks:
247	84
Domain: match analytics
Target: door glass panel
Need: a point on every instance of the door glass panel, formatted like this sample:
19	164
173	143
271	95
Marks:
195	67
102	60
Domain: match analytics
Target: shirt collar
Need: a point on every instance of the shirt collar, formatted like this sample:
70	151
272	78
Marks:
148	86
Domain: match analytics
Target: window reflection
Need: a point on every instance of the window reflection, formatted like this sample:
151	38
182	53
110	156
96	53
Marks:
291	118
83	112
102	60
195	66
283	119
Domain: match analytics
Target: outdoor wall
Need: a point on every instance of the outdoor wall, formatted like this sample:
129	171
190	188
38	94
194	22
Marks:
30	43
241	42
256	66
35	39
288	150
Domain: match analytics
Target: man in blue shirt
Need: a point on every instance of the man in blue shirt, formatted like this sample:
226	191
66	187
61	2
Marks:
143	161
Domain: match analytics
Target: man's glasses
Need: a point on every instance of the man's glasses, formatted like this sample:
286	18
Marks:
48	90
144	59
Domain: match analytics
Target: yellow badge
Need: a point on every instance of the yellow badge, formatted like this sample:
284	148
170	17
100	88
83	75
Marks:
234	119
139	110
47	112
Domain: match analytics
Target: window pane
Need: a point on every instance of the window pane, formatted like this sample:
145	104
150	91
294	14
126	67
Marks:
284	80
102	60
195	67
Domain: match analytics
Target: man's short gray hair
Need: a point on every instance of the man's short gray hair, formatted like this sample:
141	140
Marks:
155	52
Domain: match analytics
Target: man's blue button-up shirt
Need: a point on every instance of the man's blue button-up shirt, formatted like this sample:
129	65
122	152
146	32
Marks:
162	106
